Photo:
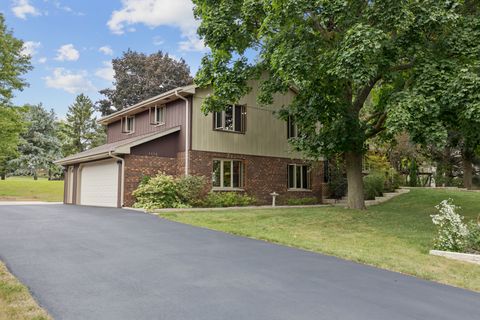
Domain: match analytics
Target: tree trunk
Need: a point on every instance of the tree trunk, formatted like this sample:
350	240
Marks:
467	173
35	177
356	197
2	176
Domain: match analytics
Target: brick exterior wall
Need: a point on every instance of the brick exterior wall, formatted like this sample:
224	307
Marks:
262	175
137	166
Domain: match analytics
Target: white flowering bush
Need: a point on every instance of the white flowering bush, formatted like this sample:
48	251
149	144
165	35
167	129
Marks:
452	231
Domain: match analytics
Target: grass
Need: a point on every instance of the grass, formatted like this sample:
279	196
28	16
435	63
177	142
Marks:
396	235
27	189
16	303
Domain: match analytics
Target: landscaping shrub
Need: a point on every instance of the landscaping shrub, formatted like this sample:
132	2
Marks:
228	199
302	201
374	184
472	240
157	192
191	190
452	232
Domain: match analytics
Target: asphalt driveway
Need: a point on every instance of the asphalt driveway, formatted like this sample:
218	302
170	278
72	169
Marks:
100	263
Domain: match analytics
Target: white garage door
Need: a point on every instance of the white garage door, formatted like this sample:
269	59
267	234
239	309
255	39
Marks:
99	184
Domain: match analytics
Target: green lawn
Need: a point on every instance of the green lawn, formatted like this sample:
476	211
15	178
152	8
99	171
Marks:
25	188
396	235
16	303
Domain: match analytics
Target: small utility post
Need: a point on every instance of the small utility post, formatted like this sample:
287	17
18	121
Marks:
274	196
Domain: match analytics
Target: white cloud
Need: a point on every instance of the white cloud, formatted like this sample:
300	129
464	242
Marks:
157	41
42	60
30	48
69	81
106	50
22	8
67	52
155	13
106	72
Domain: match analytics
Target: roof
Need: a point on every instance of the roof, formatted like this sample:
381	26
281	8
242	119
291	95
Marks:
116	148
160	99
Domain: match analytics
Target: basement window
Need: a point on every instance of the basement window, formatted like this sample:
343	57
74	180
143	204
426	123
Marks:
231	119
227	174
298	177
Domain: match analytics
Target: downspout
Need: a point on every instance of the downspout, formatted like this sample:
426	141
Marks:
123	175
187	130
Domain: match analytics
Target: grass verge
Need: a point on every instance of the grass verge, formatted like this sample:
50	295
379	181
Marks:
16	303
396	235
27	189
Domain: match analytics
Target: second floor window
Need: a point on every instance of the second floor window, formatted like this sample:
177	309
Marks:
231	119
128	124
157	115
292	128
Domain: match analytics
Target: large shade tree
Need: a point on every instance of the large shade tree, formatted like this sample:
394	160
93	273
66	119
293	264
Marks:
139	76
334	53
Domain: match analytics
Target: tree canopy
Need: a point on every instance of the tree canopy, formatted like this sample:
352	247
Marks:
139	76
80	131
13	63
334	53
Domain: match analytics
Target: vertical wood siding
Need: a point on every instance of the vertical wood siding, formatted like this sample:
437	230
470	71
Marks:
265	135
175	116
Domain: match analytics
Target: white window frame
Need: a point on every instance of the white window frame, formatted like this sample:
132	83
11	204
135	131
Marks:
160	109
222	115
222	171
309	178
125	125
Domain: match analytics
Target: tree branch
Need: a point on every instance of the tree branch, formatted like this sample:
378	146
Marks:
378	127
362	95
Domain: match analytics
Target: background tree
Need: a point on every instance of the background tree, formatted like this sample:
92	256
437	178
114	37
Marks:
80	130
333	53
139	76
39	146
11	124
13	63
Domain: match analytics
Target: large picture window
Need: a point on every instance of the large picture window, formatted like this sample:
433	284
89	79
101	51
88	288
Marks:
230	119
227	174
298	177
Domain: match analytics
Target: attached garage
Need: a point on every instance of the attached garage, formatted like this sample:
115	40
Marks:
98	183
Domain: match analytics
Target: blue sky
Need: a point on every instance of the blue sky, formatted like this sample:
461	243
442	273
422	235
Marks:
73	42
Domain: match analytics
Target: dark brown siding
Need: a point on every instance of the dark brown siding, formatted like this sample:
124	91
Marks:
167	146
175	116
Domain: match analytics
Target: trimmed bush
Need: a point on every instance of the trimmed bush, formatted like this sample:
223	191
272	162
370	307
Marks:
228	199
302	201
191	190
157	192
374	185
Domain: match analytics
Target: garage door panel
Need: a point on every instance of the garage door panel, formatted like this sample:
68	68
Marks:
99	184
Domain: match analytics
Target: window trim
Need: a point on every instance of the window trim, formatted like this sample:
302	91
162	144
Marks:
242	173
243	119
309	177
125	124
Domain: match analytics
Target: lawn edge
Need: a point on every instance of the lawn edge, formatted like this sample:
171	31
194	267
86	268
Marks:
23	302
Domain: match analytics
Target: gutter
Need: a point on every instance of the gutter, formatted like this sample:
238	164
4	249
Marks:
187	130
123	175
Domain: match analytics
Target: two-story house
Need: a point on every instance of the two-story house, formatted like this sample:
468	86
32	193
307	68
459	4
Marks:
244	148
